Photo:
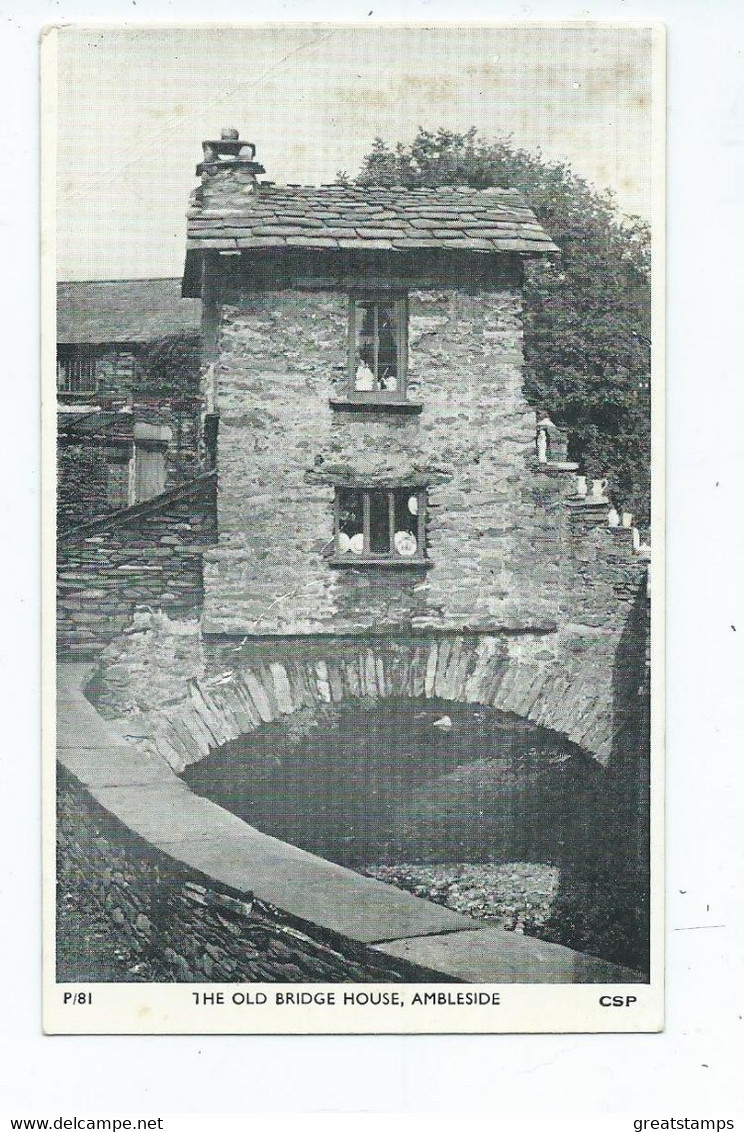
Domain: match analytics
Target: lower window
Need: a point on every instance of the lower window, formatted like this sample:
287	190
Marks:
380	525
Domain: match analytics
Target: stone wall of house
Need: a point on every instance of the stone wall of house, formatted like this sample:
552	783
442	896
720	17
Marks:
492	538
170	925
149	554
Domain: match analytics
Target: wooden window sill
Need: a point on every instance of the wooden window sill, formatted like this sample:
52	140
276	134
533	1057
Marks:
351	561
374	405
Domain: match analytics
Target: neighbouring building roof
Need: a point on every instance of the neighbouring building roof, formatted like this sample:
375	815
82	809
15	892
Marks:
123	310
372	219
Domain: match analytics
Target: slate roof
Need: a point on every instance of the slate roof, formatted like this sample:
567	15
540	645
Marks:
373	219
124	310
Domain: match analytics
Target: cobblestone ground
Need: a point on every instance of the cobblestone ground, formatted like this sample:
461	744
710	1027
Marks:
512	896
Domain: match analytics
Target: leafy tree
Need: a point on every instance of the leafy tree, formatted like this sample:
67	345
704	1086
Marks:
587	317
170	367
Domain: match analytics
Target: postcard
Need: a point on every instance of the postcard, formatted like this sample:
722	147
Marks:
354	442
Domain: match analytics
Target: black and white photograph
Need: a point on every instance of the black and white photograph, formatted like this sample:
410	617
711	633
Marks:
353	365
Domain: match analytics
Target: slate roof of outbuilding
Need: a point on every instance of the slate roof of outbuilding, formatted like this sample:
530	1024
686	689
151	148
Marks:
373	219
124	310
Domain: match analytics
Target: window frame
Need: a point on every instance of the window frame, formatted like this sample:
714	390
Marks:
391	558
399	299
68	362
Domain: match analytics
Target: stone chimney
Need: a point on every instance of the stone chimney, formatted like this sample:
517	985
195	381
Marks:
228	172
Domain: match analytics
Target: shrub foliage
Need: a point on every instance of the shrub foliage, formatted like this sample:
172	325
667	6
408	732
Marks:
170	367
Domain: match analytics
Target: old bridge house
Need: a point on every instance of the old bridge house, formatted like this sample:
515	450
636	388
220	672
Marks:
364	353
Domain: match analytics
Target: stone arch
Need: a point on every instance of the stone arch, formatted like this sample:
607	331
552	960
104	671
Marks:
272	679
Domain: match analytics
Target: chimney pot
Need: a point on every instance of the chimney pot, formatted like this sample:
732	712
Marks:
228	152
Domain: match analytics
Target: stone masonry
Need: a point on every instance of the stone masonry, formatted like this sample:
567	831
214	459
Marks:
149	554
492	537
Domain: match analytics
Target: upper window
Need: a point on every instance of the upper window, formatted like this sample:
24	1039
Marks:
377	348
380	525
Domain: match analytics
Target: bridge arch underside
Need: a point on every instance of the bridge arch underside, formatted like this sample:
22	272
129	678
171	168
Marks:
568	689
